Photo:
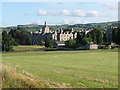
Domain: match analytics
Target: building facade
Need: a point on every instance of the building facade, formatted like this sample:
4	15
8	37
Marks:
57	35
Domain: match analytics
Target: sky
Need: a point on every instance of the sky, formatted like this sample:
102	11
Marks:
54	13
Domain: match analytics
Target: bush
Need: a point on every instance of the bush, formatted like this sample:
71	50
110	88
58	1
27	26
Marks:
103	47
70	43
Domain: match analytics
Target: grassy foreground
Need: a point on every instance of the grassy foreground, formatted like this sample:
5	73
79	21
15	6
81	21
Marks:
83	69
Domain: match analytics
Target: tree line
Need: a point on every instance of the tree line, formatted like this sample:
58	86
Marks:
18	36
95	36
116	35
21	36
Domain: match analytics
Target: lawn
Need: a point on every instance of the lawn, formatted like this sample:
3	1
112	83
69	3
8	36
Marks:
28	48
80	69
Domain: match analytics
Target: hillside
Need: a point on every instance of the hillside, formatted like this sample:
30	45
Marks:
35	27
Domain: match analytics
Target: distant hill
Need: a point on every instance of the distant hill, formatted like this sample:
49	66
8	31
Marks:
35	27
103	25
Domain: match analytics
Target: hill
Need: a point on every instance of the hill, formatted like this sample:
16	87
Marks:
35	27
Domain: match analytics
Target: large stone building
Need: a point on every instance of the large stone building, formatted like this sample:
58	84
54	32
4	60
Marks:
57	35
62	35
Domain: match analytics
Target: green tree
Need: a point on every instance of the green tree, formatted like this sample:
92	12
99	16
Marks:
93	35
119	35
99	37
104	37
89	36
21	36
70	43
52	43
7	42
115	35
79	38
47	42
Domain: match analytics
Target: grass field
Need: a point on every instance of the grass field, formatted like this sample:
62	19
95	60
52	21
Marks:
28	48
83	69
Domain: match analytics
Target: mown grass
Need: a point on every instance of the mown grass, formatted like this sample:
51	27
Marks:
83	69
28	48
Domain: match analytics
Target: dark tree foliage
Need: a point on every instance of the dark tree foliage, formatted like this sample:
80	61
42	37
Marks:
21	36
89	36
113	36
83	39
70	43
104	37
84	35
79	38
119	35
49	42
97	36
7	42
93	34
116	35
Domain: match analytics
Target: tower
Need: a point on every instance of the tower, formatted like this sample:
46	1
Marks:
45	29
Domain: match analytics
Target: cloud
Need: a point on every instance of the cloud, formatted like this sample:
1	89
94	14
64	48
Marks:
93	14
65	12
74	13
78	13
112	6
74	21
53	12
42	12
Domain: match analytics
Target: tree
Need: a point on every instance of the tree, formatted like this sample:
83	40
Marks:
99	36
84	35
70	43
47	42
52	42
89	36
104	37
42	42
119	35
93	34
86	41
21	36
79	38
7	42
115	35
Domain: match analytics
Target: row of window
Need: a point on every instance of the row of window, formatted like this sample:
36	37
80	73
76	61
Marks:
66	35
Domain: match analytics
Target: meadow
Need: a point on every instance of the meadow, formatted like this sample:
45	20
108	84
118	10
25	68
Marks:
28	48
76	69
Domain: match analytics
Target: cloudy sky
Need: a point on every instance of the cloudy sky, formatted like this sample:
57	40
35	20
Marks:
20	13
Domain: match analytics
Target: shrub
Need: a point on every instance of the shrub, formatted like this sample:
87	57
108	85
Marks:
70	43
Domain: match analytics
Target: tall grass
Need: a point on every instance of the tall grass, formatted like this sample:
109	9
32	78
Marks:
12	78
